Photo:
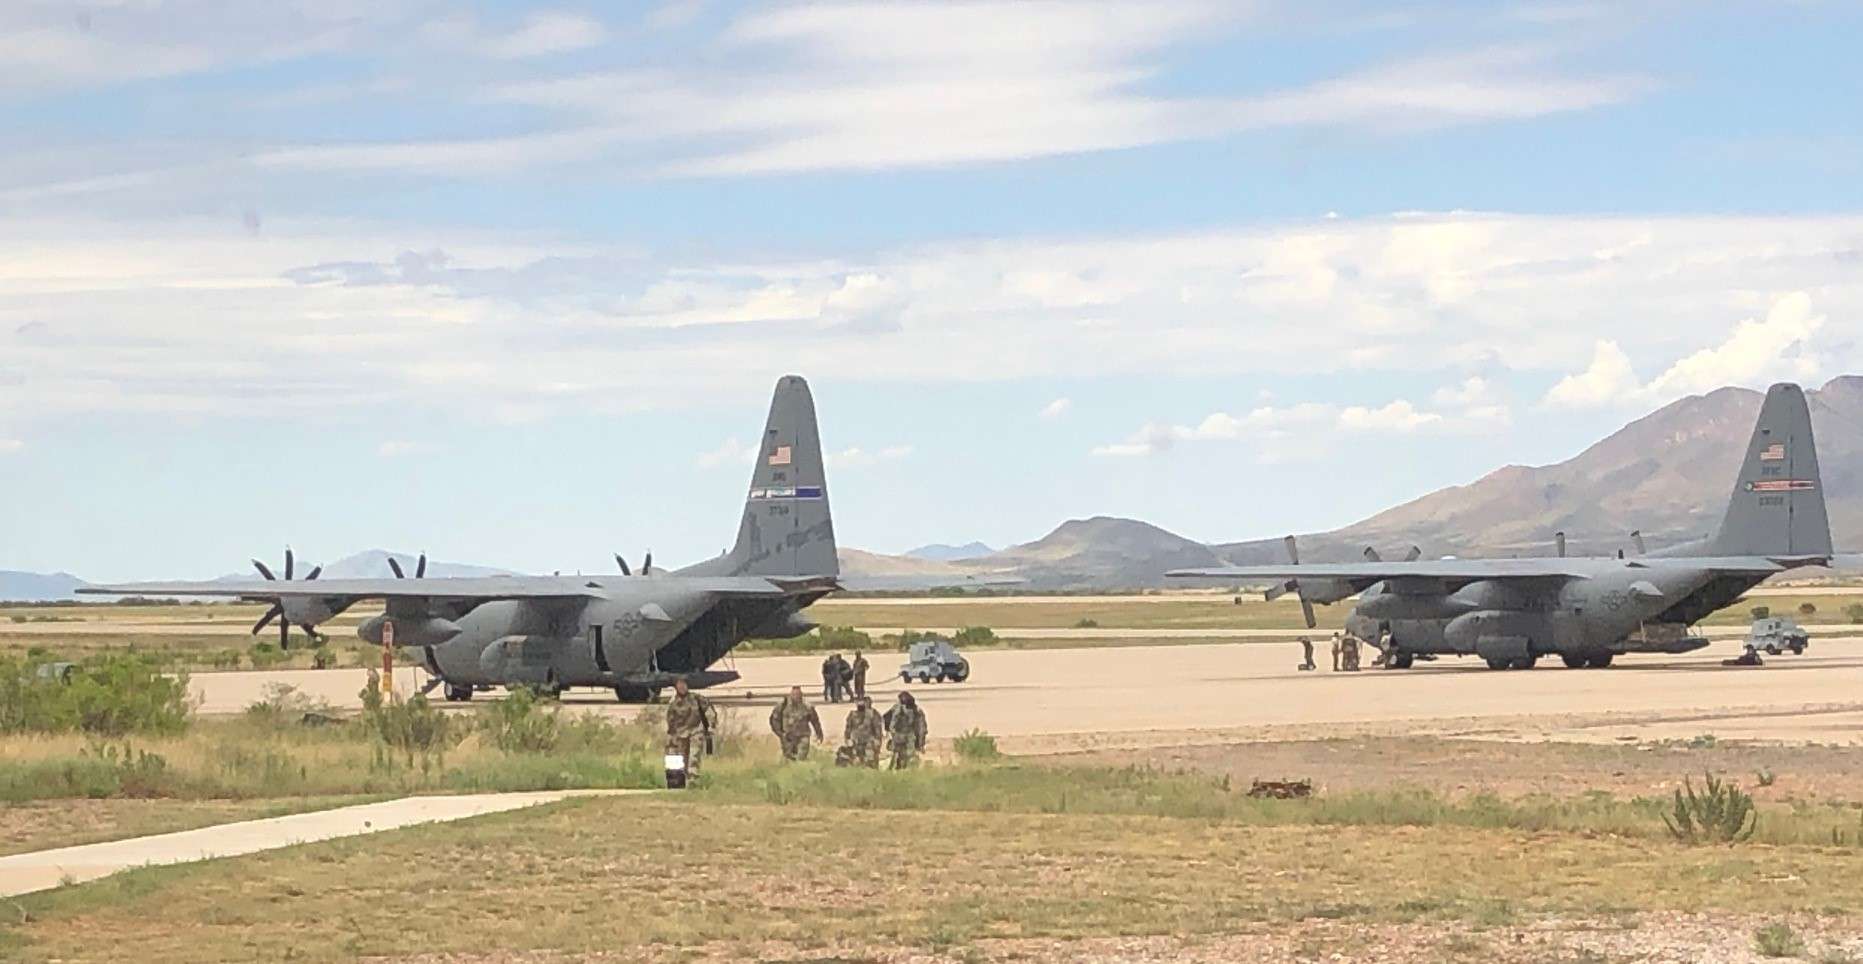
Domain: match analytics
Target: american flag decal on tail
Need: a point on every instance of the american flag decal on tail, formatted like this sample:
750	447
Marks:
1773	453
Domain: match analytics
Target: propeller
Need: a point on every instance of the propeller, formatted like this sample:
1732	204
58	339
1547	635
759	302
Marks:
1415	553
1293	585
1636	539
420	567
646	565
1559	540
278	608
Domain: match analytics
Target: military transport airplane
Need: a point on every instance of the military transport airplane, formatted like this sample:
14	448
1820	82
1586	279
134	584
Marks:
1511	612
633	632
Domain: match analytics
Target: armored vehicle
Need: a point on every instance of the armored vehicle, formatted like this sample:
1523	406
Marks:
1776	634
934	660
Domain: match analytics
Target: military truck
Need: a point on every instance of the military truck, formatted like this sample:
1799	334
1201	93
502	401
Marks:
934	660
1773	635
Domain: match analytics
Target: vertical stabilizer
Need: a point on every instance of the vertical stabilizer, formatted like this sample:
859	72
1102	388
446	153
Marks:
1777	507
786	529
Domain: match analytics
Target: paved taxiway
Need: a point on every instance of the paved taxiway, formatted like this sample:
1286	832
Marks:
1032	695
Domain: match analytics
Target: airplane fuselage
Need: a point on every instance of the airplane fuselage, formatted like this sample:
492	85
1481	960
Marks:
1610	611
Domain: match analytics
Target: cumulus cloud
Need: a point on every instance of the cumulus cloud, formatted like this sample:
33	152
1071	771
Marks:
729	452
1608	380
1056	408
857	457
1394	416
201	319
1757	351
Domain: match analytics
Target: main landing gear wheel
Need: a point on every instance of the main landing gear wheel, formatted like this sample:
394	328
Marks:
457	694
1401	660
1601	662
1574	662
636	694
1524	663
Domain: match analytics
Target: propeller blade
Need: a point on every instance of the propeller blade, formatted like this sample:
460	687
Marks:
267	573
646	565
623	564
1636	539
420	568
396	566
284	633
1371	555
1276	592
288	563
276	611
1306	609
1415	553
1293	550
314	573
1559	540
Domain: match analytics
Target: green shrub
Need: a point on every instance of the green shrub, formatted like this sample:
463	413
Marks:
266	655
1720	813
974	636
284	705
109	695
1777	939
1761	612
414	728
1086	622
1854	612
522	723
976	746
1807	609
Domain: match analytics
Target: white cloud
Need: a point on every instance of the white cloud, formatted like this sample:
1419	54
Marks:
857	457
1755	352
543	32
729	452
1778	346
199	318
1608	380
1395	416
1056	408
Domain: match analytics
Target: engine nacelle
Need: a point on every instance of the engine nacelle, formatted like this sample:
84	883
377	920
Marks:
421	631
1483	630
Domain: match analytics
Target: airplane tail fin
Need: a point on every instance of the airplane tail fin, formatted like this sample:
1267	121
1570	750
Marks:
1777	507
786	529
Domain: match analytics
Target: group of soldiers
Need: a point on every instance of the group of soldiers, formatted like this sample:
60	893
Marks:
1347	650
842	680
691	719
901	730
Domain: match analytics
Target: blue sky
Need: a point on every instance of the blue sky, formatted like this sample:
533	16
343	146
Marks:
511	282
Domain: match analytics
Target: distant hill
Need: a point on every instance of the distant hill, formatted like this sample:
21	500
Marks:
1101	552
37	587
940	552
858	562
1668	474
373	564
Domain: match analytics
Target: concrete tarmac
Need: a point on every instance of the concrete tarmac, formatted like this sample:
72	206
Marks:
1228	687
46	869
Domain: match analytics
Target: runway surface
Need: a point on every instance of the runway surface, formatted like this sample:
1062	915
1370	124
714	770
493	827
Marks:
45	869
1062	698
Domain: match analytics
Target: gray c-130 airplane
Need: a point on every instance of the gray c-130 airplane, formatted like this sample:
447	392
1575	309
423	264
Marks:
634	633
1510	612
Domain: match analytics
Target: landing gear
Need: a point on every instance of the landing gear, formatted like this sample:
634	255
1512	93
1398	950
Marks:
1574	662
1601	662
1593	661
457	694
1401	660
636	694
1526	662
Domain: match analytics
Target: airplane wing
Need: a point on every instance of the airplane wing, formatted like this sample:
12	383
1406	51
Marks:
1452	570
475	588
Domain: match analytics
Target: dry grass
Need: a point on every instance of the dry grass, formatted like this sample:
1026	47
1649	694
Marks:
609	875
42	825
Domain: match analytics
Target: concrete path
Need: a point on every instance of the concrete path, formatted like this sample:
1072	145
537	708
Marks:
46	869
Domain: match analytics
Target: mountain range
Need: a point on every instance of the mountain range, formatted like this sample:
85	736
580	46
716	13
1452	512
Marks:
1666	474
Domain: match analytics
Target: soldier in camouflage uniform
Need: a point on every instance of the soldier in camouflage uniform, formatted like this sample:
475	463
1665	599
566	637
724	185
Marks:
860	675
689	722
791	721
905	731
866	733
